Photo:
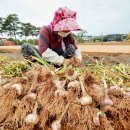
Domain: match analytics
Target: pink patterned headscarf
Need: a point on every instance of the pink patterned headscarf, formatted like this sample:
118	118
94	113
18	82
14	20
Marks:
64	20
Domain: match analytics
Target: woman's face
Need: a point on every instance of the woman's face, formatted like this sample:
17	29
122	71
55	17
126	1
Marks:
63	33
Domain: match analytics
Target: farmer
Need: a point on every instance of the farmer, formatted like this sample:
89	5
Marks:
56	43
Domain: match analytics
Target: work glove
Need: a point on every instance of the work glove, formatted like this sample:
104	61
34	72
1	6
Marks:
28	50
69	51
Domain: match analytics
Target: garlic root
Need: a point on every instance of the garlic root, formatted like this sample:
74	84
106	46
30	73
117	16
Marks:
56	125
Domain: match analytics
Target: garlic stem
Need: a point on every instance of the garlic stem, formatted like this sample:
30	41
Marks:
56	125
59	84
105	87
18	88
106	101
85	99
96	119
35	108
82	86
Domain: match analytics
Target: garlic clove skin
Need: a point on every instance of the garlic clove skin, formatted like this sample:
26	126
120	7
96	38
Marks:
107	102
52	73
116	90
32	96
77	100
32	119
61	93
126	94
96	121
86	100
75	84
18	88
56	125
112	88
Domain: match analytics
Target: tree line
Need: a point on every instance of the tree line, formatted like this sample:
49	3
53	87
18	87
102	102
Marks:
12	27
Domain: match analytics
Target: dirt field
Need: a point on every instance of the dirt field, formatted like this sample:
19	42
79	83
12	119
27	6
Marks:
106	43
85	48
111	52
108	59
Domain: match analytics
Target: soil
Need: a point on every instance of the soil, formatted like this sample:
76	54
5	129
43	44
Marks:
107	59
5	42
110	59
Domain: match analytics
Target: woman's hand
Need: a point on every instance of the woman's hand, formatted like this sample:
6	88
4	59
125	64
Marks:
67	61
75	61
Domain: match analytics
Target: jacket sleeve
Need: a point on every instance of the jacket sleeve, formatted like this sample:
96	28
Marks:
43	40
52	57
71	40
48	54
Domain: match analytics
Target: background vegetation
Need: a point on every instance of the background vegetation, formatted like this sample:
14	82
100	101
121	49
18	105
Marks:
15	30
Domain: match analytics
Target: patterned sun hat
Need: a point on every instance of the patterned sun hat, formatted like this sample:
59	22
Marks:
65	20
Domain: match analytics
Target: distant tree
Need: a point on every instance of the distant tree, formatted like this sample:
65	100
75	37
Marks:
1	25
81	36
34	31
124	37
11	25
128	37
1	22
113	37
25	30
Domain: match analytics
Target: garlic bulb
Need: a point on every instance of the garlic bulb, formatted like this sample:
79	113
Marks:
107	101
18	88
32	119
96	121
56	125
86	100
59	84
126	94
74	84
32	95
61	93
116	90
